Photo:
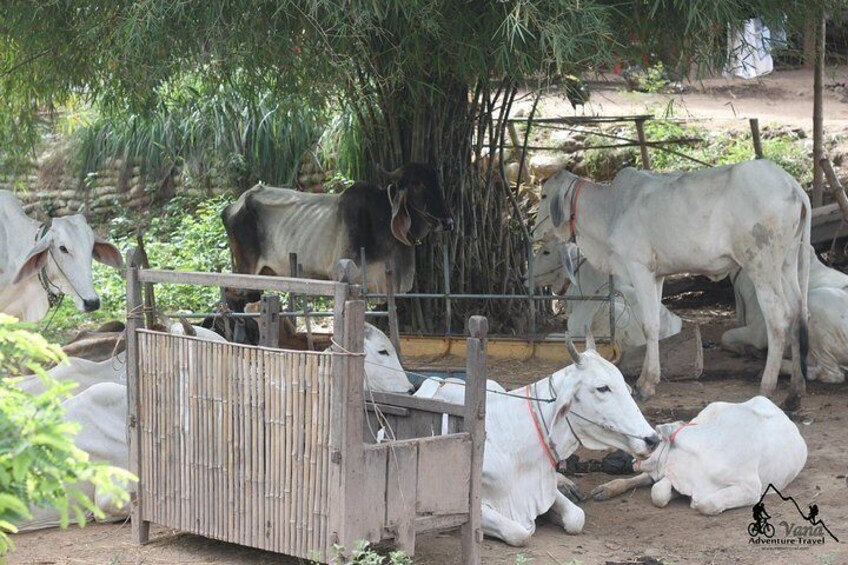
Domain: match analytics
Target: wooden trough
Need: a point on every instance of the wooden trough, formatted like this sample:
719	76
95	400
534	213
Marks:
277	449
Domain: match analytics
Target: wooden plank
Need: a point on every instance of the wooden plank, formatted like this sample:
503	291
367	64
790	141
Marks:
269	321
373	513
386	408
247	282
474	424
444	522
438	458
422	404
140	526
401	487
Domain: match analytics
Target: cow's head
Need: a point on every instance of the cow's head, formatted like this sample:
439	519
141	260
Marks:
655	464
418	205
65	252
554	265
593	404
383	371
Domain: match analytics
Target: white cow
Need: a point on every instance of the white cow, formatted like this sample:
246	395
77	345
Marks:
593	316
647	226
87	373
585	404
101	411
38	260
725	458
827	301
383	371
83	372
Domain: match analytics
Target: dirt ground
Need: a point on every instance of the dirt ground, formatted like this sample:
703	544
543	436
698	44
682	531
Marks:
628	529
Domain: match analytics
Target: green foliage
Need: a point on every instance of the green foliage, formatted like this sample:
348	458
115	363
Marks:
362	554
39	463
718	147
225	132
186	235
655	78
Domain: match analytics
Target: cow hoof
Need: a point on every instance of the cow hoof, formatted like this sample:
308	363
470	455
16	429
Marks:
599	493
644	393
568	489
791	404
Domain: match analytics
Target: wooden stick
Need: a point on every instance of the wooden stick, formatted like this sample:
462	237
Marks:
818	112
836	188
394	328
643	147
755	137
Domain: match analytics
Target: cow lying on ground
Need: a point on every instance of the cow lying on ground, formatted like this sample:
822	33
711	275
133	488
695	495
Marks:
585	404
724	458
265	224
647	226
41	262
586	317
827	300
101	411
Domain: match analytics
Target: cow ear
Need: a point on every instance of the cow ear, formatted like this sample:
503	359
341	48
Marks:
570	264
556	206
401	221
665	430
590	340
36	259
107	253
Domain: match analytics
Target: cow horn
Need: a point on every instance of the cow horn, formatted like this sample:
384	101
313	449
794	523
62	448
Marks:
188	328
572	351
392	175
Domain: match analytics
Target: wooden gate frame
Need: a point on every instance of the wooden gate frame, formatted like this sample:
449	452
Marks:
354	471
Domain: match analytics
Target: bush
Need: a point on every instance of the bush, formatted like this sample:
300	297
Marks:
39	463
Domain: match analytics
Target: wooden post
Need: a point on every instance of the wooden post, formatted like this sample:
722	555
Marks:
640	132
755	137
474	423
818	114
143	262
394	328
352	374
293	274
307	321
140	526
269	320
345	271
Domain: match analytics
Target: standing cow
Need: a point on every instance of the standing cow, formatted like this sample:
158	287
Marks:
266	224
647	226
41	262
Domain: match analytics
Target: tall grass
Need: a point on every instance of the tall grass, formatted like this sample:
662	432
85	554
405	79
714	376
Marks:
239	135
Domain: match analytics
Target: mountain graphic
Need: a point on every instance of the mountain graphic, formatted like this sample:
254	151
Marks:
814	522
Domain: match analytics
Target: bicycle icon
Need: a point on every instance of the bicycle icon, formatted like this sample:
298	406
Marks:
763	528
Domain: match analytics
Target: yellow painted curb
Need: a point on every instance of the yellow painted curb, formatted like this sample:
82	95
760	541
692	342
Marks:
552	350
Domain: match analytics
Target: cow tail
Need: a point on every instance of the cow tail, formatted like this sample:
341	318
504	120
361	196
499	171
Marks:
804	276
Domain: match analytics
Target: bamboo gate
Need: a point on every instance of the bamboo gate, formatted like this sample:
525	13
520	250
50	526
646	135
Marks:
277	450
